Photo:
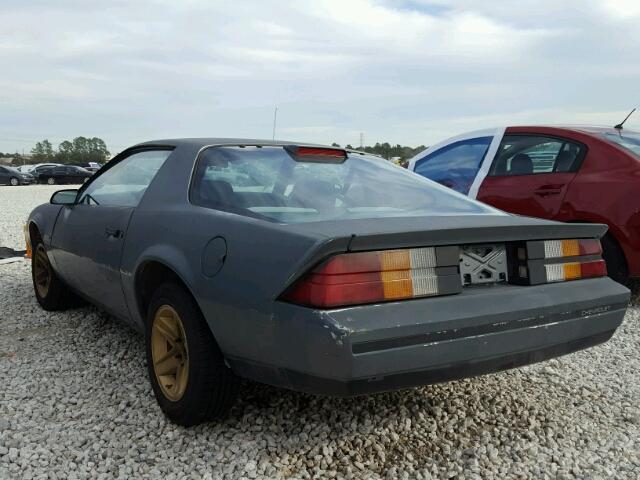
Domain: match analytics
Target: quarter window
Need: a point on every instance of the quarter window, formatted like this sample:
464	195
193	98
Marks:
533	154
455	165
124	184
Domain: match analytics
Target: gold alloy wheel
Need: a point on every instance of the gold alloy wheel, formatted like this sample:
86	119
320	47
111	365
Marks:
41	272
170	353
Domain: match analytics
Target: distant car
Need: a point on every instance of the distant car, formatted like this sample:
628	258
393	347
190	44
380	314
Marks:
90	166
570	174
32	168
313	268
14	177
62	174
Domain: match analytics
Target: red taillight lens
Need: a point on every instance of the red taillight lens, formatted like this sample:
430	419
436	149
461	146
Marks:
328	152
369	277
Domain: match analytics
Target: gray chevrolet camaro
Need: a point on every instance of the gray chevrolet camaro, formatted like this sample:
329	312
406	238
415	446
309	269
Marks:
313	268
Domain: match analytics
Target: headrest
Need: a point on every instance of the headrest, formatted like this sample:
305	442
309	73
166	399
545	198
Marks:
521	164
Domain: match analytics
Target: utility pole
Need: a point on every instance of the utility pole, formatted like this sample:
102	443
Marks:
275	117
361	140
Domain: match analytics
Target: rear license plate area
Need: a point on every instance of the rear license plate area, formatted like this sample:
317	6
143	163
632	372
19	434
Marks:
483	264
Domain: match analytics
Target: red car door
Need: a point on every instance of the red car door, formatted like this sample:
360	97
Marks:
530	174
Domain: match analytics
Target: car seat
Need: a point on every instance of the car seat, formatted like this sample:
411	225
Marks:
323	194
521	164
564	161
216	193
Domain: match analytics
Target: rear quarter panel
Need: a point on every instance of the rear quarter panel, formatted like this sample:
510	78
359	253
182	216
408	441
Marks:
606	191
238	301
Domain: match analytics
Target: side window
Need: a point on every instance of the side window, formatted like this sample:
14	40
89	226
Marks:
536	154
455	165
60	170
124	184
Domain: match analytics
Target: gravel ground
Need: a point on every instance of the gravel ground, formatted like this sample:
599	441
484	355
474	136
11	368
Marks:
15	205
75	403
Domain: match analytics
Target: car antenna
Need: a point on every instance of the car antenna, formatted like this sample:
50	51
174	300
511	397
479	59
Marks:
619	126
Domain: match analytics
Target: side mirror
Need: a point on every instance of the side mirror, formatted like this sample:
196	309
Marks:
64	197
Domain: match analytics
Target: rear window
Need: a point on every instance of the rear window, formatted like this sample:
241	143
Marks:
628	141
267	182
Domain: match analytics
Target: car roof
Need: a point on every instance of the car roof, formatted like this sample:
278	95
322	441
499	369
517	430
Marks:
202	142
593	129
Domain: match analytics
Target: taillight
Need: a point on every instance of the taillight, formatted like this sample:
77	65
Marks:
571	248
560	272
558	261
371	277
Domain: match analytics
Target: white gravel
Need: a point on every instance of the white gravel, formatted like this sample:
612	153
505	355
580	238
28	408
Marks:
75	403
15	205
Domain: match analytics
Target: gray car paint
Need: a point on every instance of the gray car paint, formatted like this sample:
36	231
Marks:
240	301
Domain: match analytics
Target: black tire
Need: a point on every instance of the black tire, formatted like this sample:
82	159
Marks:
615	259
56	295
14	182
51	181
211	388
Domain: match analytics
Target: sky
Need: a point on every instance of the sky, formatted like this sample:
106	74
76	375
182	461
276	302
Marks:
410	72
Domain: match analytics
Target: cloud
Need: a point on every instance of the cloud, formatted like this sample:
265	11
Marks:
407	71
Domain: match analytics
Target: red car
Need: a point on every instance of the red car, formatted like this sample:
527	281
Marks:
569	174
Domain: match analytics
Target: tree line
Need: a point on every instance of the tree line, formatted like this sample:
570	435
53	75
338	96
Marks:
83	149
388	151
78	150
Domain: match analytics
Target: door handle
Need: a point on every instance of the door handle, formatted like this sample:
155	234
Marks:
546	190
113	232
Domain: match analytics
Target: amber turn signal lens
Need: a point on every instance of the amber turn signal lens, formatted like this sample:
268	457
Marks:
27	241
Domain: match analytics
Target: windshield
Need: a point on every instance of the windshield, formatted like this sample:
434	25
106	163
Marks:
269	183
628	141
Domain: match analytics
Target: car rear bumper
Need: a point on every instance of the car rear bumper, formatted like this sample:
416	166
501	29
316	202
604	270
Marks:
403	344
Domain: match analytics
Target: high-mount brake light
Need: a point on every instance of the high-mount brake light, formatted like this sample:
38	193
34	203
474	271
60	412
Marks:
370	277
317	154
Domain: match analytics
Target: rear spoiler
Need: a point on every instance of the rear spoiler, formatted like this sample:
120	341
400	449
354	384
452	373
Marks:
473	229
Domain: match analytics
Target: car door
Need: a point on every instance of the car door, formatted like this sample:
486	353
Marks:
59	174
530	174
4	176
40	173
71	175
458	162
89	236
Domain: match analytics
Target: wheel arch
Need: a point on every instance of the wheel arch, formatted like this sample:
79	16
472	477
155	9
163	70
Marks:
149	275
35	235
